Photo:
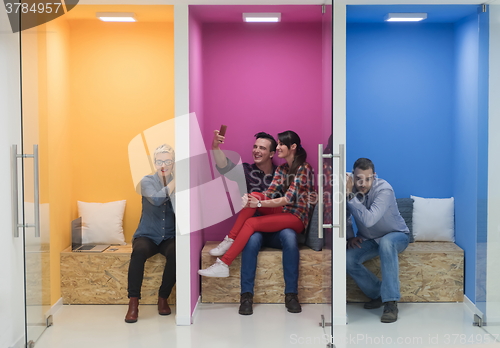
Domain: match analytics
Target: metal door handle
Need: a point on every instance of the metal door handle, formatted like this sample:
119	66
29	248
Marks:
320	207
320	191
14	188
36	176
342	189
341	178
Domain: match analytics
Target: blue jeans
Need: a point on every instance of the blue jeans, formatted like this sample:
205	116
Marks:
287	241
388	248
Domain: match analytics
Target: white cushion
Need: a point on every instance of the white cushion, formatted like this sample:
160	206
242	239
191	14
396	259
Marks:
433	219
102	223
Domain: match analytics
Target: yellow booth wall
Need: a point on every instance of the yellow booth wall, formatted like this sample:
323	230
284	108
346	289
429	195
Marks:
103	84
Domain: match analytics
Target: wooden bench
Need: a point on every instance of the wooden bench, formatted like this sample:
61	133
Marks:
429	272
101	278
269	283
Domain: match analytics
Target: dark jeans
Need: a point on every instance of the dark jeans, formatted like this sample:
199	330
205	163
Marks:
142	249
287	241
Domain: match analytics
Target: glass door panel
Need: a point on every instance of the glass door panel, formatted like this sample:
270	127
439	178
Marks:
325	172
492	308
332	172
36	237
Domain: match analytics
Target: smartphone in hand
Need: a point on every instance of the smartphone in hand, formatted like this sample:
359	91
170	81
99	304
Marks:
222	130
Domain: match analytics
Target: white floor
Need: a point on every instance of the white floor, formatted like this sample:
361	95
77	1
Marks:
220	325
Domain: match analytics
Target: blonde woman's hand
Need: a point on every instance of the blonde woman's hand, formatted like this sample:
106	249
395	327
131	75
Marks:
171	186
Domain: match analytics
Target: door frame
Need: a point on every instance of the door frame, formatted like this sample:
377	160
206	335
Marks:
13	322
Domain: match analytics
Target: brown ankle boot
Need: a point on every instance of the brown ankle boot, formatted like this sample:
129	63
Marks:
163	308
133	310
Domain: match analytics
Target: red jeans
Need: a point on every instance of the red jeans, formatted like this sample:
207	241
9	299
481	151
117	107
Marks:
272	220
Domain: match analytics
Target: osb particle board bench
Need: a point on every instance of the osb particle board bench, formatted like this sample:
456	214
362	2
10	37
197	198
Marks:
101	278
269	283
429	272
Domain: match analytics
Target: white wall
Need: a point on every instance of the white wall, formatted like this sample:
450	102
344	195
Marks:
339	138
183	240
11	272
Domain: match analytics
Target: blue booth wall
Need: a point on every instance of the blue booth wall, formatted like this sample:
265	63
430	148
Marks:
466	144
471	151
400	102
415	108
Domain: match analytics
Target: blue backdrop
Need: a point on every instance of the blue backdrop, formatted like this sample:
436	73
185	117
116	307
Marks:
417	106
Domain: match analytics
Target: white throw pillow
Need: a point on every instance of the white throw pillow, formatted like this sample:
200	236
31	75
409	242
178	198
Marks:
433	219
102	223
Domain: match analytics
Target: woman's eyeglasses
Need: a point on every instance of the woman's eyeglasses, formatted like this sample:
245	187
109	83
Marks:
167	163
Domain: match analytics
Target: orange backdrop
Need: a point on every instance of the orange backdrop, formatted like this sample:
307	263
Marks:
100	85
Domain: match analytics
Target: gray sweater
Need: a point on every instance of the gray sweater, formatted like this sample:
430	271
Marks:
376	214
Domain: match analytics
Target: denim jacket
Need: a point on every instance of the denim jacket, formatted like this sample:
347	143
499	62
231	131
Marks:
158	214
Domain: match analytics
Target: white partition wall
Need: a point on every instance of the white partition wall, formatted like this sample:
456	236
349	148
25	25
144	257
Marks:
183	301
339	141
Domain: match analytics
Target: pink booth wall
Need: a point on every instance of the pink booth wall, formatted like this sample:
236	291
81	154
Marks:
255	77
262	78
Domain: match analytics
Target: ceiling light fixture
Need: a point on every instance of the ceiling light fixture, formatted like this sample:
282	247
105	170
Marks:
405	17
116	16
262	17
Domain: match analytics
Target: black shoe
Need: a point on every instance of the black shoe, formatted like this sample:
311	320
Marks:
390	312
292	303
246	302
376	303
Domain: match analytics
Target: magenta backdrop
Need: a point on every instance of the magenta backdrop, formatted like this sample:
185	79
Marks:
255	77
261	78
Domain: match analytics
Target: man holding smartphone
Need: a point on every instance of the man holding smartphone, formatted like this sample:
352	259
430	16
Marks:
381	232
259	176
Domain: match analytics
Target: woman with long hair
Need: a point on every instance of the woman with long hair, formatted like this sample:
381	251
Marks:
285	204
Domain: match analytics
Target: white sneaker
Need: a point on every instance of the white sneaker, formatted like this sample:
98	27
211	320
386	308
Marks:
224	246
218	269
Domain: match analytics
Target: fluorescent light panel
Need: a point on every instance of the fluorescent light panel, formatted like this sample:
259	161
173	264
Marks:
116	16
262	17
405	17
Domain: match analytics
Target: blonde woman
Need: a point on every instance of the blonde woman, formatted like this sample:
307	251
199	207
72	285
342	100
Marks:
155	233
